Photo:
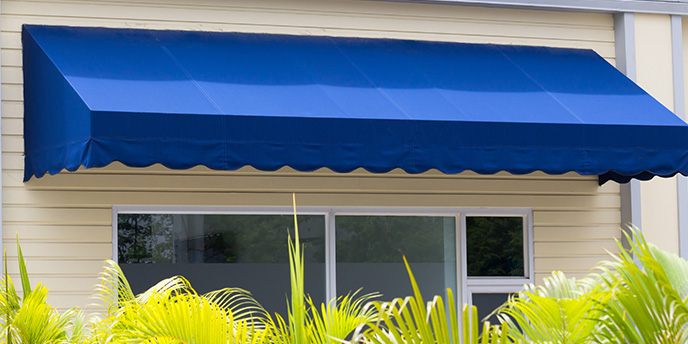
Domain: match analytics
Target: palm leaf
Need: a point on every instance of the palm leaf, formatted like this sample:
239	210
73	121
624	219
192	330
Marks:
30	319
113	288
26	286
338	319
297	306
172	312
562	310
307	323
36	321
184	318
240	302
646	303
675	268
411	320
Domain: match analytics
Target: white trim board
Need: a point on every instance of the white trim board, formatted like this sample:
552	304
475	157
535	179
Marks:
677	7
680	111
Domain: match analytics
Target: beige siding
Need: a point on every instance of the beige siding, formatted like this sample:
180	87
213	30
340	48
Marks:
65	221
659	198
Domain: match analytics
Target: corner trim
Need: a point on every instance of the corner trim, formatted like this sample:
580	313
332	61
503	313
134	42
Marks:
624	38
624	41
680	111
2	262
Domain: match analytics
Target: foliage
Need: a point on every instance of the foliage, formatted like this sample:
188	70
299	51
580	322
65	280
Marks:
337	320
172	311
306	324
411	320
639	297
648	290
562	310
29	319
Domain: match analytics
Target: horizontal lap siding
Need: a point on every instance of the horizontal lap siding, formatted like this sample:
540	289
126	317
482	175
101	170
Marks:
64	221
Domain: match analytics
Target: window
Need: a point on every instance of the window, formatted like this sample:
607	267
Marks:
499	257
219	250
494	246
346	250
370	248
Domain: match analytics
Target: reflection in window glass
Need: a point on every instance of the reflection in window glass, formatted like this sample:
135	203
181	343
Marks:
217	251
369	253
494	246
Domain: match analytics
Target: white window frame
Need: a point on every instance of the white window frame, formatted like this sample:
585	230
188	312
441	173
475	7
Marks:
487	285
467	286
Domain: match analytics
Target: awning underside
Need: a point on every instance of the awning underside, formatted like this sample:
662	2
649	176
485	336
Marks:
227	100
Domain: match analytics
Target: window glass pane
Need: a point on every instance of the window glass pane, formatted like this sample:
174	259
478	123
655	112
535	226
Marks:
369	254
217	251
487	303
494	246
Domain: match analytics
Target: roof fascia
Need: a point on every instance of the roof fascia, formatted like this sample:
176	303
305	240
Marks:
675	7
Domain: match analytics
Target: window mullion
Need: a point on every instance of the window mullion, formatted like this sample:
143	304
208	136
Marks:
528	244
462	263
115	239
330	258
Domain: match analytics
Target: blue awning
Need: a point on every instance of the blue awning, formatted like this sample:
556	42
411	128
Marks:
226	100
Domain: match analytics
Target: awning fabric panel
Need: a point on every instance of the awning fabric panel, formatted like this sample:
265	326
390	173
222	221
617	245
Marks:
227	100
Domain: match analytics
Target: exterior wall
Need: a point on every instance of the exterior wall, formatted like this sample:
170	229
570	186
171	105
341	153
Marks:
65	221
655	74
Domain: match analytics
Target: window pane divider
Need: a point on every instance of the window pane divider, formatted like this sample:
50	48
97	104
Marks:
478	281
463	276
330	259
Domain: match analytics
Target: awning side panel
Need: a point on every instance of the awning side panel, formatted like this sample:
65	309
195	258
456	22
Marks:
57	125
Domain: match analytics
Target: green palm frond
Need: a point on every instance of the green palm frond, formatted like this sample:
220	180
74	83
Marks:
675	268
10	302
562	310
306	322
173	312
167	315
78	331
278	330
113	288
337	320
30	319
174	284
647	302
36	321
24	275
411	320
240	301
297	307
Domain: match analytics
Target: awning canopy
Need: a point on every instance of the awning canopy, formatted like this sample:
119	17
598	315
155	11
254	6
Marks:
226	100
